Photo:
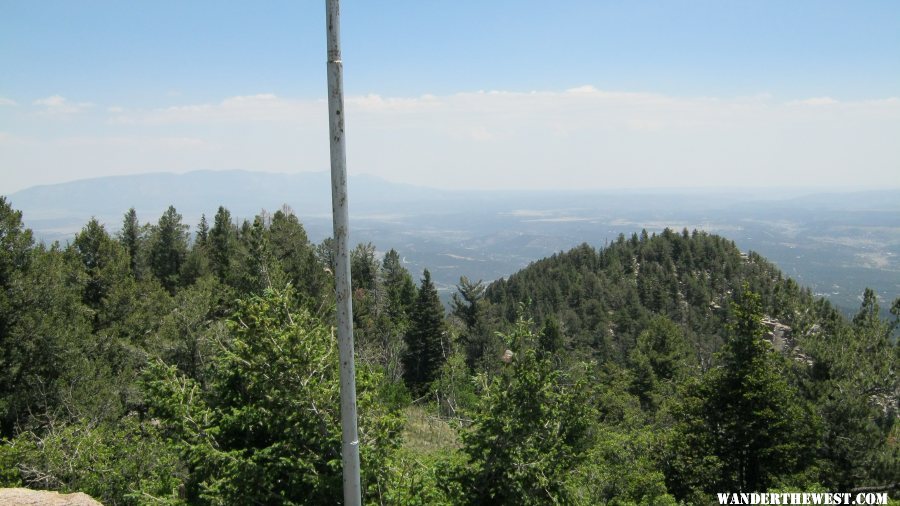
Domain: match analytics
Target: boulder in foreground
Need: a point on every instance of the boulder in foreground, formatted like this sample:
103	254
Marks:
26	497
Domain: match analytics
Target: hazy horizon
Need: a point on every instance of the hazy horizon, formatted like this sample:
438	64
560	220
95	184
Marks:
836	243
524	95
774	191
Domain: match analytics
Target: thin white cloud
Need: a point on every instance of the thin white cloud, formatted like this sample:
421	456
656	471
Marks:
817	101
587	88
262	107
377	103
136	142
51	101
890	101
59	105
7	102
581	137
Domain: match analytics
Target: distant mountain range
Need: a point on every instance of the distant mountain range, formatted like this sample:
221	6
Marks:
193	193
836	243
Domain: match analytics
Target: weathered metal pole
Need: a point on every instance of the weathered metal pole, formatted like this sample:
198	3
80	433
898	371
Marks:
340	213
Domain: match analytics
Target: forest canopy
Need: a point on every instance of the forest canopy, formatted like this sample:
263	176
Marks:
169	364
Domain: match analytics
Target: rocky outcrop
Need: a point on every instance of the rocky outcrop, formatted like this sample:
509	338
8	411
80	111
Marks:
779	334
781	337
26	497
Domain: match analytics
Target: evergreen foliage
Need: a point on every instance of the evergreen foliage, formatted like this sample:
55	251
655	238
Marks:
661	368
292	250
105	263
659	360
130	237
265	429
168	249
399	287
424	347
222	245
744	428
531	430
470	306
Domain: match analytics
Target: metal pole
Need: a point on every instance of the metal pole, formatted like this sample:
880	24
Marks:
340	213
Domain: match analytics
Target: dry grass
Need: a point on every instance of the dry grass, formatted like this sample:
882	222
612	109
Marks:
426	433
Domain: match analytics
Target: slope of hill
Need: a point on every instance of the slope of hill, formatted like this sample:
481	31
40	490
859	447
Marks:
604	298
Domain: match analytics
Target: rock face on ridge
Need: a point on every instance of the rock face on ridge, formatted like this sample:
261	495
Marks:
26	497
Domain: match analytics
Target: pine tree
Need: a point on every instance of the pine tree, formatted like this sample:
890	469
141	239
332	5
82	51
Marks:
292	249
325	252
465	301
258	266
265	428
551	338
222	239
43	326
104	260
399	287
469	305
531	429
424	351
169	249
130	237
743	428
368	301
196	265
857	444
15	257
202	232
658	360
399	294
364	267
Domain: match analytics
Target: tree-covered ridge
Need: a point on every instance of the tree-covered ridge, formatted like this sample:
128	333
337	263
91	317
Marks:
658	369
604	299
687	313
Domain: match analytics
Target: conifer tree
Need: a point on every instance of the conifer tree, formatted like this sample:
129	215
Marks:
364	267
222	240
551	338
424	354
169	248
743	428
258	266
658	360
104	261
531	429
292	249
465	301
469	305
15	241
130	237
399	287
398	292
368	300
265	427
202	232
325	252
196	265
857	445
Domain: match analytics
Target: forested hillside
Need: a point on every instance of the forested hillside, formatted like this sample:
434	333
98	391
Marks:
604	299
172	365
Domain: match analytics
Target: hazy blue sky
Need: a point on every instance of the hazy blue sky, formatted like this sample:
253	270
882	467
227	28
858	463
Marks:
487	94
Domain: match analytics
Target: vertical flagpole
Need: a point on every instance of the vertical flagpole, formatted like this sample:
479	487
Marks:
340	213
